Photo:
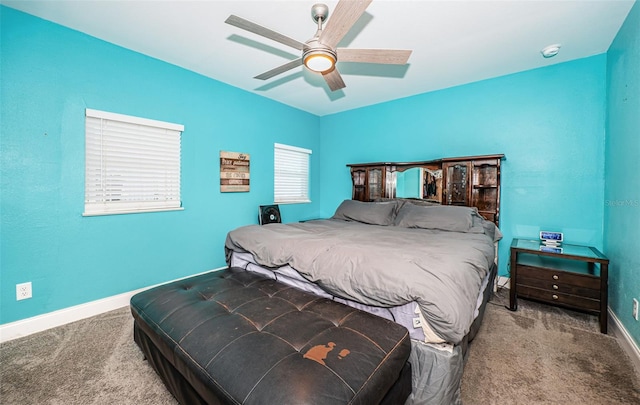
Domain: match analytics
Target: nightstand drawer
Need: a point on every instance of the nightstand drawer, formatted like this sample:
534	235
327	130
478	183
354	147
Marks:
559	277
557	286
559	298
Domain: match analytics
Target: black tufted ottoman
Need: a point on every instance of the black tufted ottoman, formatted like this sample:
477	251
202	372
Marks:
233	337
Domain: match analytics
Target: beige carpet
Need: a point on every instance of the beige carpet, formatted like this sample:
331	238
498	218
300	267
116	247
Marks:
93	361
545	355
538	355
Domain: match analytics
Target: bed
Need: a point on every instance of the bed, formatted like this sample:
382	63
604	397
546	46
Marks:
430	268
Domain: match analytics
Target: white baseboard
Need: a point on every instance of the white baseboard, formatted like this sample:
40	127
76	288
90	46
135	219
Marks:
501	282
25	327
626	341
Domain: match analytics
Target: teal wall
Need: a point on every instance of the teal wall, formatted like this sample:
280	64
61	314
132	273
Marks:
548	122
622	186
50	74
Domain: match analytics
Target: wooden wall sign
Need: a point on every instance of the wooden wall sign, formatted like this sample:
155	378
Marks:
234	172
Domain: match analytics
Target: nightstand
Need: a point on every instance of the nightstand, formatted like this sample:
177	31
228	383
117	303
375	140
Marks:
567	278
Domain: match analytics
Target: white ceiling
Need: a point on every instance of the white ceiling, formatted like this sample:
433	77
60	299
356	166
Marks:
453	42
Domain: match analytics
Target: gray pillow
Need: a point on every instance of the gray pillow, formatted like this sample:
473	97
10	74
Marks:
442	217
373	213
415	201
487	227
479	224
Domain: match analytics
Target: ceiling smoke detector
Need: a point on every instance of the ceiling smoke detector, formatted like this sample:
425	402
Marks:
550	51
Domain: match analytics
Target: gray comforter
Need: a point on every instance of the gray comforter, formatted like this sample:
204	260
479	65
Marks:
380	265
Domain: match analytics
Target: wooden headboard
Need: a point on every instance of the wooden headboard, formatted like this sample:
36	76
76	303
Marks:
472	181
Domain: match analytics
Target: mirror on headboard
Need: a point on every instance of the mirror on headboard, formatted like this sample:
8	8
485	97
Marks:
419	182
409	183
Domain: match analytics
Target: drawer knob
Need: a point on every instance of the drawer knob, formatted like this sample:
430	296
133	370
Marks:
555	277
555	297
555	287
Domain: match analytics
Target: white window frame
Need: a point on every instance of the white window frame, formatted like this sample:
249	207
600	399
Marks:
291	174
132	164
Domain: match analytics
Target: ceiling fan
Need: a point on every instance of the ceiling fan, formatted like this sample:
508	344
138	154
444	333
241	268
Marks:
319	54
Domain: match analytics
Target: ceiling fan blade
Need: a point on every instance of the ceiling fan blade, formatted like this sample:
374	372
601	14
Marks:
334	80
345	14
263	31
386	56
280	69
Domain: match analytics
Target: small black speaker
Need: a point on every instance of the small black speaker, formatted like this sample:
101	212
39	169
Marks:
269	214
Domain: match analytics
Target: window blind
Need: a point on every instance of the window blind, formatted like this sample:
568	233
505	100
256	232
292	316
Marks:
131	164
291	174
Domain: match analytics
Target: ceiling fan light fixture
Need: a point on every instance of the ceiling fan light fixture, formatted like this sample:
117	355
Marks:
319	61
319	54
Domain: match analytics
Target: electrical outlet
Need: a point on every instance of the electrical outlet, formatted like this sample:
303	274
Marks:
635	309
23	291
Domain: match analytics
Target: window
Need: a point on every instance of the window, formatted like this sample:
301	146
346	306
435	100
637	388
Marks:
131	164
291	174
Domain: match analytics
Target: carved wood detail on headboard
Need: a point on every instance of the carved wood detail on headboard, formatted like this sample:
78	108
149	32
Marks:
472	181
